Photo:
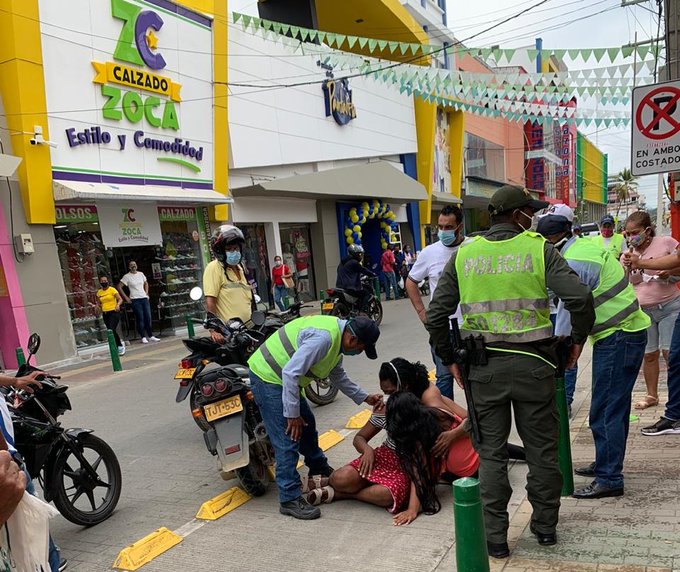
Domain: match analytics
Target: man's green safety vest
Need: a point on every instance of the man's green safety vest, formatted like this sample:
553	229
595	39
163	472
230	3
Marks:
503	295
272	356
615	245
616	305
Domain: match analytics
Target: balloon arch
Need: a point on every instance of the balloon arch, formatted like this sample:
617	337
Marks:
358	215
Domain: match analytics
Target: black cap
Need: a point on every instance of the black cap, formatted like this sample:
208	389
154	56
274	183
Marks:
550	225
510	197
368	333
607	219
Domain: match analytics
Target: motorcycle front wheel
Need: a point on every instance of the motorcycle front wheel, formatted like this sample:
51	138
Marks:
321	392
84	498
254	476
375	311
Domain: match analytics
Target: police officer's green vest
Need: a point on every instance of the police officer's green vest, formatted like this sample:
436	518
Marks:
272	356
616	305
503	295
615	245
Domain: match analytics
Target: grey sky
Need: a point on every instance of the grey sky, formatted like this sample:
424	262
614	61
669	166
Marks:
615	27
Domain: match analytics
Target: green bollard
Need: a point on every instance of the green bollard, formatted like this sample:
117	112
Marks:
286	302
322	299
471	551
564	449
113	350
376	287
190	326
21	360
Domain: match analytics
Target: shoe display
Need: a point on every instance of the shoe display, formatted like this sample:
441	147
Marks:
544	538
588	471
498	550
662	427
595	491
300	508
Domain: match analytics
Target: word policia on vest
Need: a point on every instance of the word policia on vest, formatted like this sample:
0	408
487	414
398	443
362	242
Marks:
503	263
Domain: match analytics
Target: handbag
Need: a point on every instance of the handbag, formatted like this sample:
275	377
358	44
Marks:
24	539
288	282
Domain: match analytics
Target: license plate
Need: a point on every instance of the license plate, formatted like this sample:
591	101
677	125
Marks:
327	306
187	373
223	408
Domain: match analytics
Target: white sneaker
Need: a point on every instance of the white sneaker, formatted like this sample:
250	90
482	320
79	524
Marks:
145	341
154	339
121	350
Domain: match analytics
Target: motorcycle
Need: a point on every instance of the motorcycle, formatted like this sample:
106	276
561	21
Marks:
342	304
320	392
222	403
76	469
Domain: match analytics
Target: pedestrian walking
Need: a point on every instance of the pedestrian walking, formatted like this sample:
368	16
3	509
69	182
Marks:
409	259
609	239
429	265
501	282
110	302
281	278
619	338
136	283
387	262
289	360
669	423
658	295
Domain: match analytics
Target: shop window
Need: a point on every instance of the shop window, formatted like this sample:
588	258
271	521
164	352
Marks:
256	262
484	159
297	255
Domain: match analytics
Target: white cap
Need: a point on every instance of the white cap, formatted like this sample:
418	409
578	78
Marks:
560	210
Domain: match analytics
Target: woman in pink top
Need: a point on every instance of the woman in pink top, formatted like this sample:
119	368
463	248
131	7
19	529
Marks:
658	295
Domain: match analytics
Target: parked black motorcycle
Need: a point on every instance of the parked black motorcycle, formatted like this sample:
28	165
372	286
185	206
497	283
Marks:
76	469
320	391
342	304
222	403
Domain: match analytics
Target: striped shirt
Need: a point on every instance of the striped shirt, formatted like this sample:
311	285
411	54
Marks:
380	421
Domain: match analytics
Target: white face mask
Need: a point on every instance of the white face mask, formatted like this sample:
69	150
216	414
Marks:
531	220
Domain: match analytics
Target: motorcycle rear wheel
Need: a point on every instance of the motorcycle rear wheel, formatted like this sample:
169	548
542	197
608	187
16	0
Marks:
375	311
201	421
68	469
253	477
321	392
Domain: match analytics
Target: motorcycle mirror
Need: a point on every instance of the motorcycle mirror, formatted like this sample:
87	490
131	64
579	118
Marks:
258	318
196	293
257	299
33	345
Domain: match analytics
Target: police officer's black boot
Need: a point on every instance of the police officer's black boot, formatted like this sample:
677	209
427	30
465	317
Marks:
544	538
300	508
498	550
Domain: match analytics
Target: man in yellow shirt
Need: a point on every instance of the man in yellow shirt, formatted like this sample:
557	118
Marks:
227	291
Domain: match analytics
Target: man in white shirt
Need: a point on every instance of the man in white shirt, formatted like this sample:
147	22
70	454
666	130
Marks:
430	264
139	298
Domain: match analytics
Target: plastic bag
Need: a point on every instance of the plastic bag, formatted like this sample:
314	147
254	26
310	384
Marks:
24	540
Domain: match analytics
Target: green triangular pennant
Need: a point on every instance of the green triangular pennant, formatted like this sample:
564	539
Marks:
598	53
363	42
295	32
585	54
403	47
642	51
393	46
627	51
267	24
236	16
573	54
245	21
613	53
304	34
351	41
509	54
415	48
382	44
559	54
371	44
532	53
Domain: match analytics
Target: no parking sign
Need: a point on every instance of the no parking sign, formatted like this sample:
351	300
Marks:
655	139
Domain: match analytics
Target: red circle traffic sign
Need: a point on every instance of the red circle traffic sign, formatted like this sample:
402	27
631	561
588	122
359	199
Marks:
659	112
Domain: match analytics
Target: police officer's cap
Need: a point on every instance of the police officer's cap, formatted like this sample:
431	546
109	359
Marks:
510	197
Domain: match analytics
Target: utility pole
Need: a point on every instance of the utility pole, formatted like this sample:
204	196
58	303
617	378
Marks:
672	35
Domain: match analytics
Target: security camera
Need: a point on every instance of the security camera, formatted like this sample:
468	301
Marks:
38	139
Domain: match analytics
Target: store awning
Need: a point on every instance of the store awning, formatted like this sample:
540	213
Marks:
378	180
445	199
78	190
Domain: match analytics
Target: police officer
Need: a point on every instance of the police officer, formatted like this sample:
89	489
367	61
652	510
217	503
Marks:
500	281
608	238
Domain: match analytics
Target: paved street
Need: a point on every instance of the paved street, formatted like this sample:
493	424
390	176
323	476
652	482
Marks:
168	474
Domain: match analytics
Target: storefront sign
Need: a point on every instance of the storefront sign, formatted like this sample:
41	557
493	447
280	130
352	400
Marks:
76	213
122	225
338	101
167	214
134	131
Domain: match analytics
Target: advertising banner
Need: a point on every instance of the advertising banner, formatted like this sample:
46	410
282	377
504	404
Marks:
123	226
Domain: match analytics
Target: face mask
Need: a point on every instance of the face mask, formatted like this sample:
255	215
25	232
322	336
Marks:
607	232
277	263
233	258
637	239
448	237
351	352
560	243
104	285
531	221
133	269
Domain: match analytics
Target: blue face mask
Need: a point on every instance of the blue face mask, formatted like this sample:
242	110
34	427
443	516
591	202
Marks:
233	258
351	352
447	237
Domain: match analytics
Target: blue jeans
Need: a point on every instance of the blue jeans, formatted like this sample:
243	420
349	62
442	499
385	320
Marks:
269	398
616	364
390	281
570	375
142	310
54	558
444	377
280	292
673	405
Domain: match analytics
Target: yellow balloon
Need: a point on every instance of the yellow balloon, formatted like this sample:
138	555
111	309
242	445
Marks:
359	234
364	205
356	228
350	240
354	218
348	232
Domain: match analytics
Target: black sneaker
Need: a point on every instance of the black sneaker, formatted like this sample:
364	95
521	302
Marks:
300	508
662	427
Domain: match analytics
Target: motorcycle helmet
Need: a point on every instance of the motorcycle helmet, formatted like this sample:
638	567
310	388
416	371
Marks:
223	236
355	251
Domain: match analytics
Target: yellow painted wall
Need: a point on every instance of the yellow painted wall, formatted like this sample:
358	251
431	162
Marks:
594	176
457	146
22	87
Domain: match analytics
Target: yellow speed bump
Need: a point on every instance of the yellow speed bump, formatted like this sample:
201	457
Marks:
222	504
135	555
359	420
326	441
